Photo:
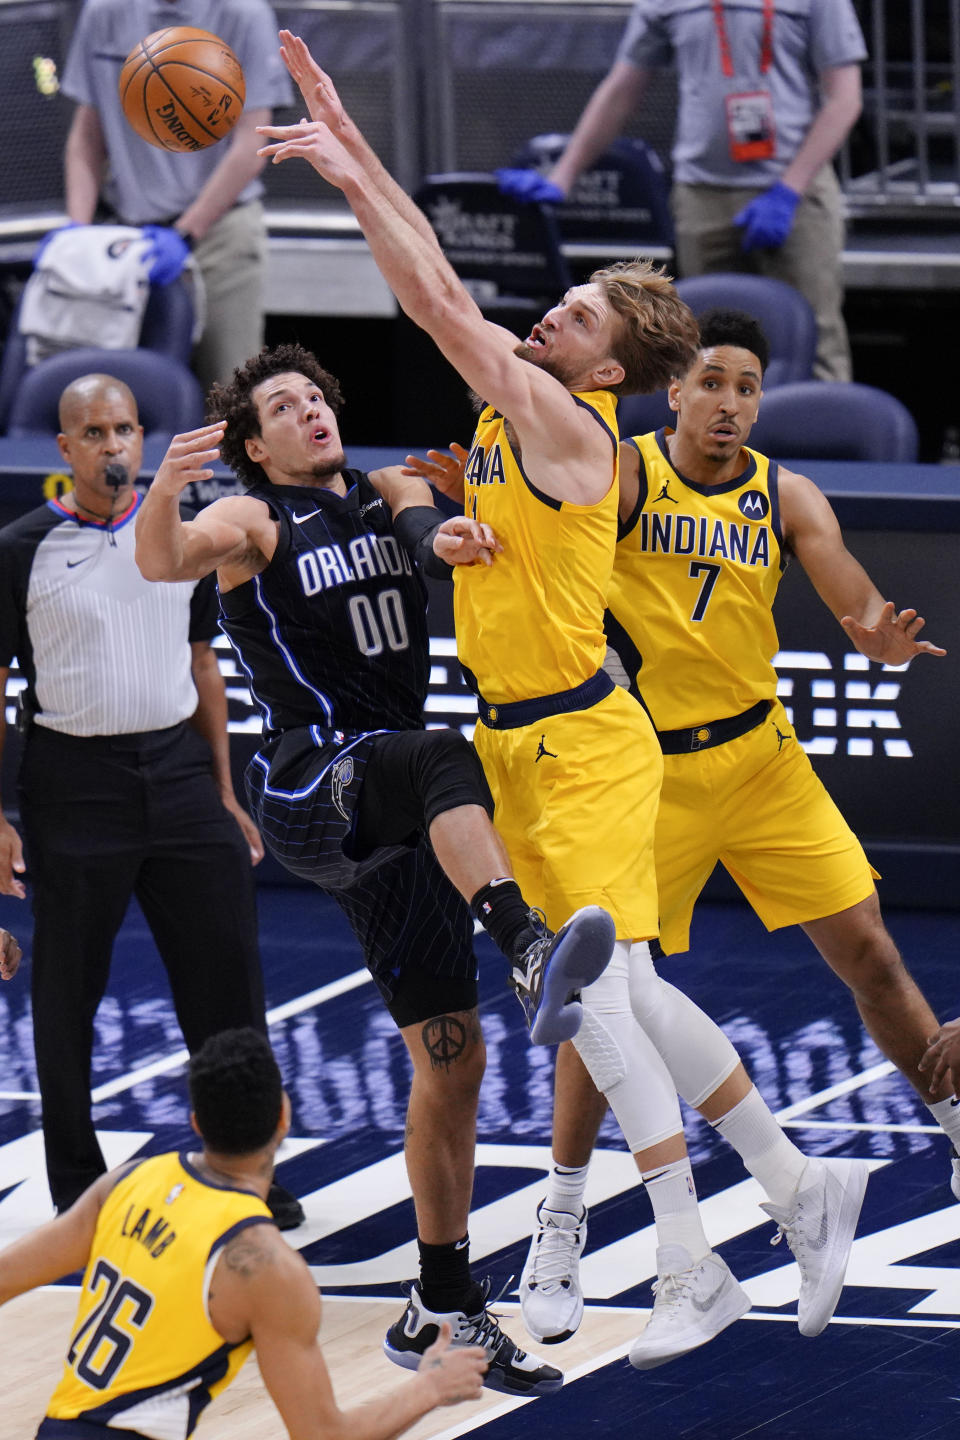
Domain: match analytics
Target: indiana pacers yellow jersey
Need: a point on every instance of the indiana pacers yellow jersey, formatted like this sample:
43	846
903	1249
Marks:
531	623
144	1355
694	580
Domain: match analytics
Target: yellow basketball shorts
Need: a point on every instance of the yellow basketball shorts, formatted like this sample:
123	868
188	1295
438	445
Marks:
755	805
576	803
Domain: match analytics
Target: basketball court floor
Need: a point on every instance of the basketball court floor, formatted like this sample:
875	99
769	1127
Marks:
889	1364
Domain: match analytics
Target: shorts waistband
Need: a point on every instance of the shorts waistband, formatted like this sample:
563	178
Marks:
526	712
715	732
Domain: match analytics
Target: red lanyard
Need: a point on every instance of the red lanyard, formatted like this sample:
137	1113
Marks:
766	44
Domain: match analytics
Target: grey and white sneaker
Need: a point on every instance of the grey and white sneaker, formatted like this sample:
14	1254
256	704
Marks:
693	1303
551	972
551	1301
819	1228
509	1369
955	1177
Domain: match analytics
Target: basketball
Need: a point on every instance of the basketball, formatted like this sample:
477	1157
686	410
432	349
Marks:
182	89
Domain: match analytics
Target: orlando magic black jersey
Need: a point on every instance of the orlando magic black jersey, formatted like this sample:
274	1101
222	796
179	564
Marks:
334	631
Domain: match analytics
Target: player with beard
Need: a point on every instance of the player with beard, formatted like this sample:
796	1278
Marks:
327	612
572	761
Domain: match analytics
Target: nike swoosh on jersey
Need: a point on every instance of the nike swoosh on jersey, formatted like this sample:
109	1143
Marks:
301	519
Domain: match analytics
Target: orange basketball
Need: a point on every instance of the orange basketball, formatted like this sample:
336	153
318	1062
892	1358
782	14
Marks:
182	89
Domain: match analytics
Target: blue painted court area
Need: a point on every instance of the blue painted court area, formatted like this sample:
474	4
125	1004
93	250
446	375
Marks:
889	1365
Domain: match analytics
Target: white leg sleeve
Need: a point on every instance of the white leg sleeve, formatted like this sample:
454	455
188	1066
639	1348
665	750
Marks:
695	1050
623	1062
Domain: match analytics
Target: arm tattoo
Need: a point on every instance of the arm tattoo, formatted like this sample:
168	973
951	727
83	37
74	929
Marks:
245	1256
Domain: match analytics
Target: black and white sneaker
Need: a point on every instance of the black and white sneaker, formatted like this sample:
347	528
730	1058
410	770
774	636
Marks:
551	972
510	1369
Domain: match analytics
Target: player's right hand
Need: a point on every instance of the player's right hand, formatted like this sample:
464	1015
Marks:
454	1372
189	457
318	90
444	472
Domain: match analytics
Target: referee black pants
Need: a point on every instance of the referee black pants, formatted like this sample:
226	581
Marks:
105	818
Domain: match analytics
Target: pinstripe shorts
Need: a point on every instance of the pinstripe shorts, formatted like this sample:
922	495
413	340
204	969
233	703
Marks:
303	789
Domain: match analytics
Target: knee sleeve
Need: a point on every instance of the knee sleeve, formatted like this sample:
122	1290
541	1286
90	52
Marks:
694	1049
623	1063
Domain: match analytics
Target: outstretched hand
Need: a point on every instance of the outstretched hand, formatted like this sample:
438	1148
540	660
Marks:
443	471
318	90
892	639
313	141
189	457
942	1057
454	1372
462	541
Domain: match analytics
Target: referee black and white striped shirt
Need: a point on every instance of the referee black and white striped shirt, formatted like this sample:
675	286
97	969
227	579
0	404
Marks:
103	651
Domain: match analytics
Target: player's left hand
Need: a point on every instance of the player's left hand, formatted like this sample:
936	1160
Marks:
443	471
250	832
10	953
768	220
462	541
942	1057
893	639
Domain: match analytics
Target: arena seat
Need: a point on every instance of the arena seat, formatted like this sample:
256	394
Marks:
168	395
823	420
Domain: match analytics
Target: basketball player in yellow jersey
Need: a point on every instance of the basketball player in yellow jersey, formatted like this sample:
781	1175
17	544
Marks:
571	760
185	1273
706	524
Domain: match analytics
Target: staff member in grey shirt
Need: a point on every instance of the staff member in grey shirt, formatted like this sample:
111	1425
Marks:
208	201
768	92
119	794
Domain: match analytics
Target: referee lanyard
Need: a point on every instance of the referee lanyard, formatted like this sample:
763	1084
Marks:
750	128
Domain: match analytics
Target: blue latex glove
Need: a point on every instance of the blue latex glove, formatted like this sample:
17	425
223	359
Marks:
167	254
58	230
767	221
529	185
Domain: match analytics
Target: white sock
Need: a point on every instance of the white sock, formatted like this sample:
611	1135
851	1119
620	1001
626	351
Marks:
565	1187
947	1116
763	1147
675	1210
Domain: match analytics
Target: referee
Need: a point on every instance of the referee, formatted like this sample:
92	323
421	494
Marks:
124	782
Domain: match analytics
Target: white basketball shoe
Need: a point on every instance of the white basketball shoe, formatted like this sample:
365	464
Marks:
551	1301
693	1303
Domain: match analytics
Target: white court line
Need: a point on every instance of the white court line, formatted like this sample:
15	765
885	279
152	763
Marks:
19	1094
179	1058
855	1082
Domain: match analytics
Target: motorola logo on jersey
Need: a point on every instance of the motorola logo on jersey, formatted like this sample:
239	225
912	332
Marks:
754	504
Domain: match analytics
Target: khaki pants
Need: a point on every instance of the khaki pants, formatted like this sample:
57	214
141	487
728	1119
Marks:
809	260
232	260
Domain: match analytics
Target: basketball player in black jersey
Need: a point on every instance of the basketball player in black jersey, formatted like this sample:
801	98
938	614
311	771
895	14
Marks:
327	612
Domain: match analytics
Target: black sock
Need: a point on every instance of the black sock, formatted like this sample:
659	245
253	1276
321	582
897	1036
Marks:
445	1280
505	915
